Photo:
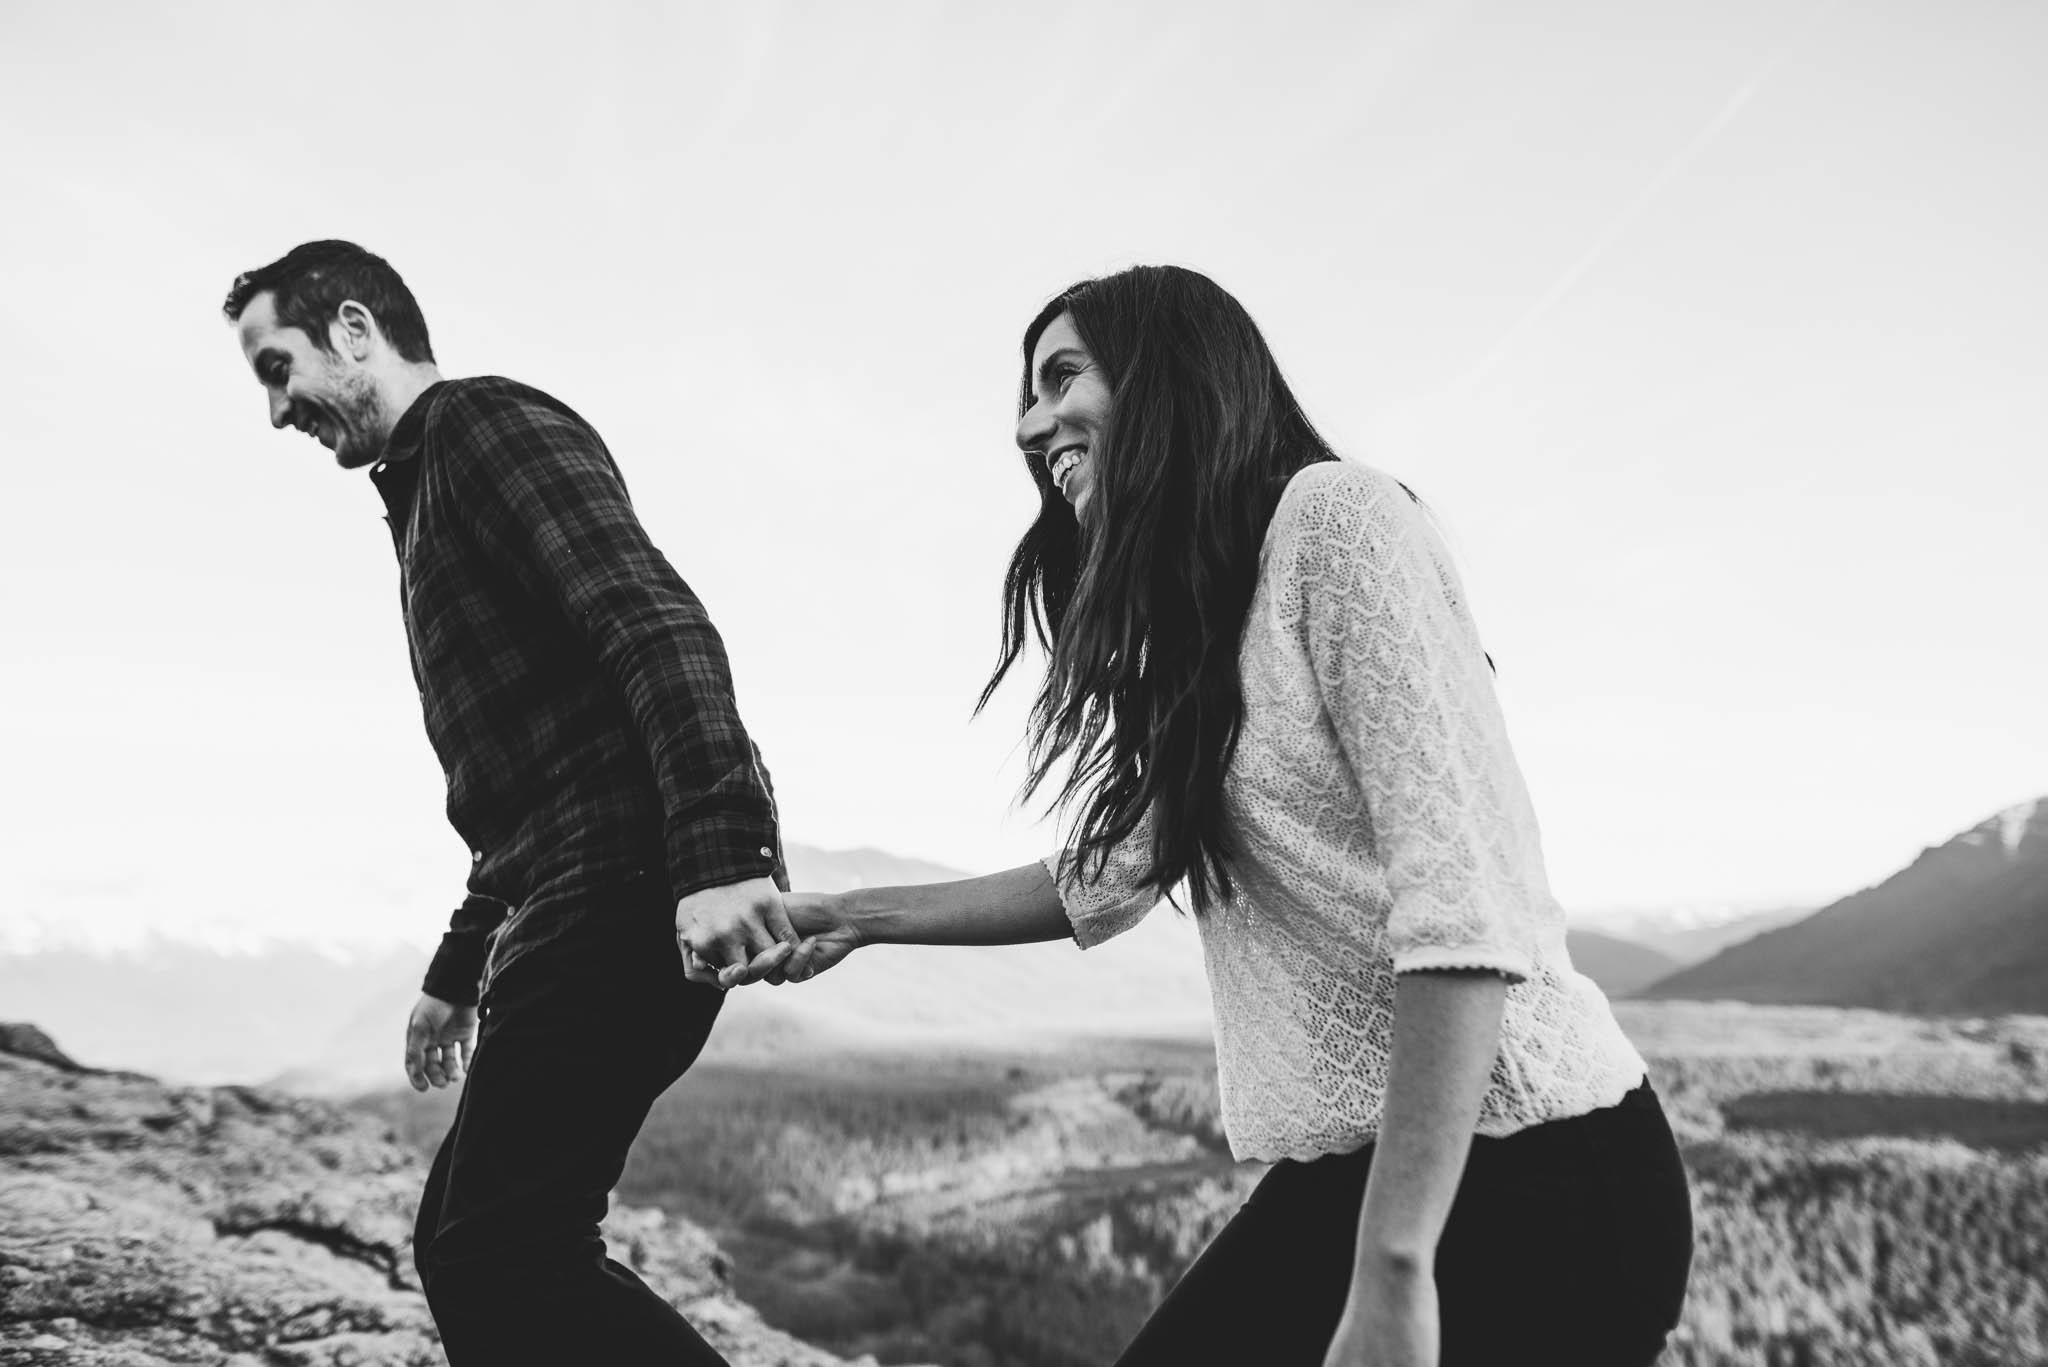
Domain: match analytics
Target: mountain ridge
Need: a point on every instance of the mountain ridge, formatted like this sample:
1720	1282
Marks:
1960	930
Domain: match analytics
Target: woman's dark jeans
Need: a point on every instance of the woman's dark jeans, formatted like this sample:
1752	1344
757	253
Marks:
1568	1242
586	1019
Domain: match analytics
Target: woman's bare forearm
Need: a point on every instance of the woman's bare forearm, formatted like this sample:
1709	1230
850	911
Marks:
1014	907
1446	1035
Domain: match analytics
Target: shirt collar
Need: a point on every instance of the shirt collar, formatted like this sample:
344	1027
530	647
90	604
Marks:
404	442
397	472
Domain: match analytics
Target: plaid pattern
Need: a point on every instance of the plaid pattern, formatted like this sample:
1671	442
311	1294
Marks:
574	688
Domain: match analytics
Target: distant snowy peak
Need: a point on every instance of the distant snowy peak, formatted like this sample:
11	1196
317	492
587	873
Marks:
126	932
2023	822
351	914
2017	829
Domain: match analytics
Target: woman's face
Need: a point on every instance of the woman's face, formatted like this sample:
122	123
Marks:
1070	406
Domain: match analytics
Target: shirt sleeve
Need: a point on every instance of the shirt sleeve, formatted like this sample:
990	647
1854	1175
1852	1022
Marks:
548	507
1410	694
1103	903
458	965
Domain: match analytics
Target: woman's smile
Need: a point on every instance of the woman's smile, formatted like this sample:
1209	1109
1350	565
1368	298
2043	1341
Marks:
1064	466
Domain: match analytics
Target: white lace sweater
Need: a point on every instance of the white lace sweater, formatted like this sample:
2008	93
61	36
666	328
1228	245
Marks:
1381	826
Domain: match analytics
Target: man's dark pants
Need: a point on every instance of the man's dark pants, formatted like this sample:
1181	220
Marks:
586	1019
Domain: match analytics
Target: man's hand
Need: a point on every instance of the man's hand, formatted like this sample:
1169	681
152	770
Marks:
735	934
439	1039
828	930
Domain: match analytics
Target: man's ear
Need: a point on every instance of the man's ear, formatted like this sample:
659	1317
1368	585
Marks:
353	331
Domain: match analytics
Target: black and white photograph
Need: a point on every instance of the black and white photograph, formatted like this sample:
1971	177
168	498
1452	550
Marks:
732	683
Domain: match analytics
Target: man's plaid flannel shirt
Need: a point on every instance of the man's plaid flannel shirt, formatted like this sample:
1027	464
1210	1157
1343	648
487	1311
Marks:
574	688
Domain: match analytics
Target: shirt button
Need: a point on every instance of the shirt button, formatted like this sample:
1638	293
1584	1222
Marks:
767	853
476	856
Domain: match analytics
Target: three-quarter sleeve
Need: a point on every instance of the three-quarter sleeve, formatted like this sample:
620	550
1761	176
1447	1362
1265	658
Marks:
1410	694
1103	902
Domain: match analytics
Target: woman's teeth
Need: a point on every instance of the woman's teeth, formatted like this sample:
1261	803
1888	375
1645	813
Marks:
1069	461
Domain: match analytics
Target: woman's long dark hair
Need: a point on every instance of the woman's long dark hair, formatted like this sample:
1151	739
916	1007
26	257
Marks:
1142	614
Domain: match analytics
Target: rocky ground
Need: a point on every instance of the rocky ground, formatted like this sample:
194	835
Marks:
143	1225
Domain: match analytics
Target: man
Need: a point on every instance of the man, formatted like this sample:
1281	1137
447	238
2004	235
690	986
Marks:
581	704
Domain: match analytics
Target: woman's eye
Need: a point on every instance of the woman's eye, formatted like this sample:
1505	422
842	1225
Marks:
1064	378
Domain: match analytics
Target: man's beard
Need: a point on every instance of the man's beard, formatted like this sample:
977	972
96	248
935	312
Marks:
365	423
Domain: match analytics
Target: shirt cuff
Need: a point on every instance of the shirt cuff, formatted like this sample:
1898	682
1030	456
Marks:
457	968
1510	964
1093	920
711	852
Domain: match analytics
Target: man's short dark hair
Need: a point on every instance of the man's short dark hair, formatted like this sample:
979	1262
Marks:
313	279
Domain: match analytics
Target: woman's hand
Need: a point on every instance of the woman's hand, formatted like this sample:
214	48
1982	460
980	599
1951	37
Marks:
825	922
1390	1320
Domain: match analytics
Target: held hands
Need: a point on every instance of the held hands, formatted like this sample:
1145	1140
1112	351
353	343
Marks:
807	933
734	934
439	1038
828	930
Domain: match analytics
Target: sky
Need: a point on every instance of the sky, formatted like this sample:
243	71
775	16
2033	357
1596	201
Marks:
1711	332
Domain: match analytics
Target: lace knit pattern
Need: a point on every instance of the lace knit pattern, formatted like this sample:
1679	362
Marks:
1381	826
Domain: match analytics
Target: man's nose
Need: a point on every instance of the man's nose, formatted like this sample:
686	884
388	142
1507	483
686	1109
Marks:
280	409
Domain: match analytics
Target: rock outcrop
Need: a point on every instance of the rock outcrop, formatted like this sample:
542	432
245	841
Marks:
143	1225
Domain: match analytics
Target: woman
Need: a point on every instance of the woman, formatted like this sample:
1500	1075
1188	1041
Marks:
1266	687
